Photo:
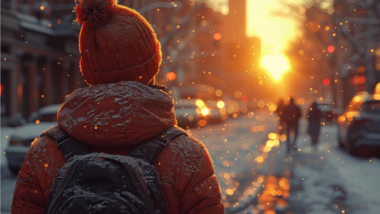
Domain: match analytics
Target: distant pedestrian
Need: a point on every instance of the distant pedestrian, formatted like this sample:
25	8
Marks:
314	117
280	115
292	114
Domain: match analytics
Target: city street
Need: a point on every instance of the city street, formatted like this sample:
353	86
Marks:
256	175
241	73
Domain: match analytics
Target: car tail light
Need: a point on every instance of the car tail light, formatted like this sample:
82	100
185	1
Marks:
363	121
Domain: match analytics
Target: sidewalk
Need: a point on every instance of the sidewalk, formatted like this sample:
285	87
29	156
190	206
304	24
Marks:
7	181
332	181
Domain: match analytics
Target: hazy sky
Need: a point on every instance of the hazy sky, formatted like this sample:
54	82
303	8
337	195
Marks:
274	32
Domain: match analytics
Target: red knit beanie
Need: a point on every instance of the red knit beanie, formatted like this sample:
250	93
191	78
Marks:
116	43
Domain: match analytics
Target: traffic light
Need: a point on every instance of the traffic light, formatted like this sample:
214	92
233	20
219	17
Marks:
326	81
331	49
217	38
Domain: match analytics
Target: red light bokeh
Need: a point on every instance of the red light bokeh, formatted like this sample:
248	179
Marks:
331	49
217	36
326	81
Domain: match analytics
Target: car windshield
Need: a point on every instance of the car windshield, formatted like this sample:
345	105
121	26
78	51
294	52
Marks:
372	107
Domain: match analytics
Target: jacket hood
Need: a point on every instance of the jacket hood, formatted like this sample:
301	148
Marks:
116	115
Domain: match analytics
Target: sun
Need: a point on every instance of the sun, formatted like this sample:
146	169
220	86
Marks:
276	65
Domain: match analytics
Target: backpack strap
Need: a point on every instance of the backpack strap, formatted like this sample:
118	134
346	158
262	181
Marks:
150	149
68	145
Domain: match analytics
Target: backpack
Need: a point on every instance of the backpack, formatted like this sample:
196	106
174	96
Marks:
98	183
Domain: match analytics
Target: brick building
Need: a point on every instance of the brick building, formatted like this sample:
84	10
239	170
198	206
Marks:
39	53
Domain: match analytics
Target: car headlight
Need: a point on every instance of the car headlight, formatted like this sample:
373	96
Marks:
205	111
14	142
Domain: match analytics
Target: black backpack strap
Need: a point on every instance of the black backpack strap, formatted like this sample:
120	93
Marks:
150	149
68	145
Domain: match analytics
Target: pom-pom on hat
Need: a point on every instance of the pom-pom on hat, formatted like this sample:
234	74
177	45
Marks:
116	43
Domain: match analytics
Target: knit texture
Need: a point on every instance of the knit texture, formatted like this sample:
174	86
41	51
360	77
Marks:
116	43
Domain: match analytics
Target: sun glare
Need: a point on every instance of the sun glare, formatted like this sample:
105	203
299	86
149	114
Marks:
276	65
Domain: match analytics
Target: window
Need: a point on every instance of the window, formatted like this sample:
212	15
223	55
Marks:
5	49
372	107
6	4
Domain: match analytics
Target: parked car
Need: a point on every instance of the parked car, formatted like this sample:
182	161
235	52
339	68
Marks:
24	135
359	126
191	113
214	116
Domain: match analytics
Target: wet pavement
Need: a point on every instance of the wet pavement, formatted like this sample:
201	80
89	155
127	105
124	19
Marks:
250	164
257	175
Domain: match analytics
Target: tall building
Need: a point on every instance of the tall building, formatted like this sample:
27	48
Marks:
235	22
242	52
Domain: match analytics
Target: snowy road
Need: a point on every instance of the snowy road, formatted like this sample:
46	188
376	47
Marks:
257	176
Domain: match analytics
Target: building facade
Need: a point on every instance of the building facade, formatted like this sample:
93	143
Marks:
242	52
39	53
357	42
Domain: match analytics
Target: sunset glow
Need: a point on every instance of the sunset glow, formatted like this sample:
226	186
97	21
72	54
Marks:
276	65
275	32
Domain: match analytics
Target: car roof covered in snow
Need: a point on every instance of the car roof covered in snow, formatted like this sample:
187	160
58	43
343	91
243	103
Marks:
31	130
50	109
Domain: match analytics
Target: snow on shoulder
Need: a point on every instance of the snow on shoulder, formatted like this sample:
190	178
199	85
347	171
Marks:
119	112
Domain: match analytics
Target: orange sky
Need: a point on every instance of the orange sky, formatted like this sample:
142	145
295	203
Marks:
274	32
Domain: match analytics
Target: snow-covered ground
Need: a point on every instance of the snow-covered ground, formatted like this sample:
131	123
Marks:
255	178
8	181
333	181
234	146
6	133
327	181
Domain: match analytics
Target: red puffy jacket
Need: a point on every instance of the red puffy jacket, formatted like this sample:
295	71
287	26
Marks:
112	118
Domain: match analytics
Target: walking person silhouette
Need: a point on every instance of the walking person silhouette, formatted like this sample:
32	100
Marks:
292	114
